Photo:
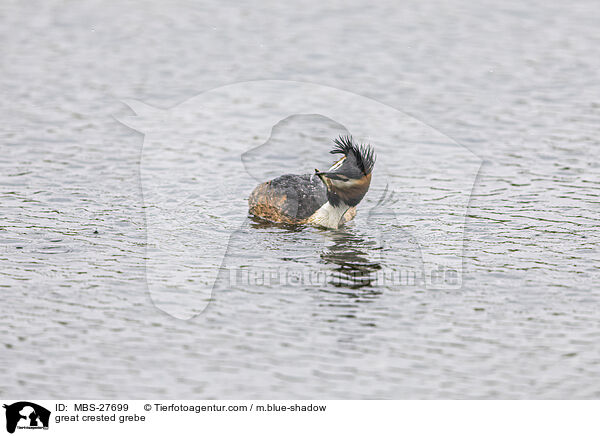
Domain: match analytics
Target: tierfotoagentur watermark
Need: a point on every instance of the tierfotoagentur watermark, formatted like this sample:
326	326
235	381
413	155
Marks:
192	159
288	276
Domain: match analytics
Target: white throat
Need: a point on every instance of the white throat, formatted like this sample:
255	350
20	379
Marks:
329	216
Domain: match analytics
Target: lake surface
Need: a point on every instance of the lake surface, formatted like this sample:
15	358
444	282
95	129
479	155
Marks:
515	84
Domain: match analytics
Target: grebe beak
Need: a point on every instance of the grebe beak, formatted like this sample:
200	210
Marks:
329	175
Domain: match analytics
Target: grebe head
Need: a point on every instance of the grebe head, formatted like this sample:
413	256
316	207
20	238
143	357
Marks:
349	178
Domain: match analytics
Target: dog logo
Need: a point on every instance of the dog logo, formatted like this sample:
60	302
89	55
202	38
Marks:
201	158
26	415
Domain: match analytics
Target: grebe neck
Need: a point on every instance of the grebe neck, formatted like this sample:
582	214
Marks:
329	216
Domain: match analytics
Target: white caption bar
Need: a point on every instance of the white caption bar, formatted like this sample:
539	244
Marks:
278	417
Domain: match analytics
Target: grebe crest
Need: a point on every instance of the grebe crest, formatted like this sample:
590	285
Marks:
328	200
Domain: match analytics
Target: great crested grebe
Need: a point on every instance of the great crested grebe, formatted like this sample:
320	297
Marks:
328	200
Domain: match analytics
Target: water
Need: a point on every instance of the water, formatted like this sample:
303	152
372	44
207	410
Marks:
515	83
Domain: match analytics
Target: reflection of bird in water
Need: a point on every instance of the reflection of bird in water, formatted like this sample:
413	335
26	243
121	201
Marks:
349	255
328	200
383	254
